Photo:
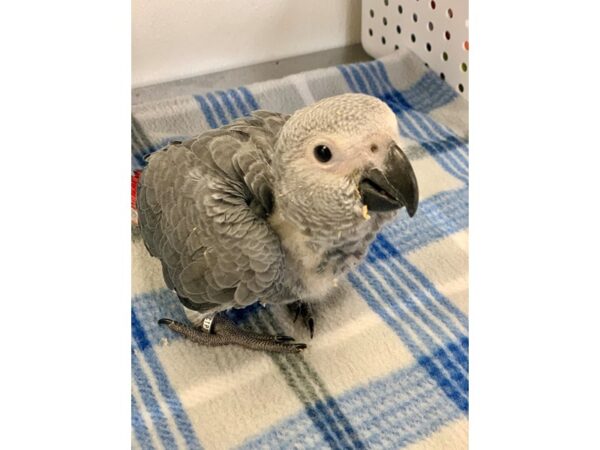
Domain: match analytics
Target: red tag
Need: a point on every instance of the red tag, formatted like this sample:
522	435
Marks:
135	178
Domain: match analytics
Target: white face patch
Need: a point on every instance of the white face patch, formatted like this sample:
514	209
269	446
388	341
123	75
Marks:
349	153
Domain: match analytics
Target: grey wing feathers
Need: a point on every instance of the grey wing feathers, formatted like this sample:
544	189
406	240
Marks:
201	208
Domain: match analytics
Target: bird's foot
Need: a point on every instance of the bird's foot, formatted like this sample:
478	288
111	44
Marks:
304	310
219	330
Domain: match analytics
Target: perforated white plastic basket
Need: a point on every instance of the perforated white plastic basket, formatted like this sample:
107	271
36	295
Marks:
436	30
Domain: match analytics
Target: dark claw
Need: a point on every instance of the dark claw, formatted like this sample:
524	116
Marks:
283	338
311	327
164	321
300	346
304	310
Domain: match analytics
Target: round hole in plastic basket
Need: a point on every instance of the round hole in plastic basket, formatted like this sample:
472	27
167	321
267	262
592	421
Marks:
396	47
398	29
442	76
372	13
384	21
400	10
386	2
447	35
466	45
428	47
463	67
461	88
415	17
432	4
450	13
413	37
430	26
383	40
445	56
370	32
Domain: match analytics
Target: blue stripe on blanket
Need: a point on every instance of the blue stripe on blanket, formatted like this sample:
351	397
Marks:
208	114
161	379
142	435
239	103
249	97
217	108
391	412
151	404
429	93
228	104
438	216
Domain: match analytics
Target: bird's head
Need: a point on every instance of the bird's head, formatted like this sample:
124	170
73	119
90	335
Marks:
338	162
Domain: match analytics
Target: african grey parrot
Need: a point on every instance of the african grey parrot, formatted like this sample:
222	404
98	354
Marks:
272	208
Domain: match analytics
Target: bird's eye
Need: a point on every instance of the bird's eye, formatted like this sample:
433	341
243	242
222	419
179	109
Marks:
322	153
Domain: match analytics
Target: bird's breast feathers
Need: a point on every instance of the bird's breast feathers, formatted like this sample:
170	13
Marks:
313	270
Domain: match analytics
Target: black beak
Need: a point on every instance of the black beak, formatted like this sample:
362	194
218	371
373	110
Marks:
392	188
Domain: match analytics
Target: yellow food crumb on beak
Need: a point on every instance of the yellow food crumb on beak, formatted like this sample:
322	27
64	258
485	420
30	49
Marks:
365	212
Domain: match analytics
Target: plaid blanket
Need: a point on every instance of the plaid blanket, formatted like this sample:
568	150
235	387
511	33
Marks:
388	366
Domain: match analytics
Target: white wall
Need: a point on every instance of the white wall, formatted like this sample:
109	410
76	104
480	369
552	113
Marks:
174	39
